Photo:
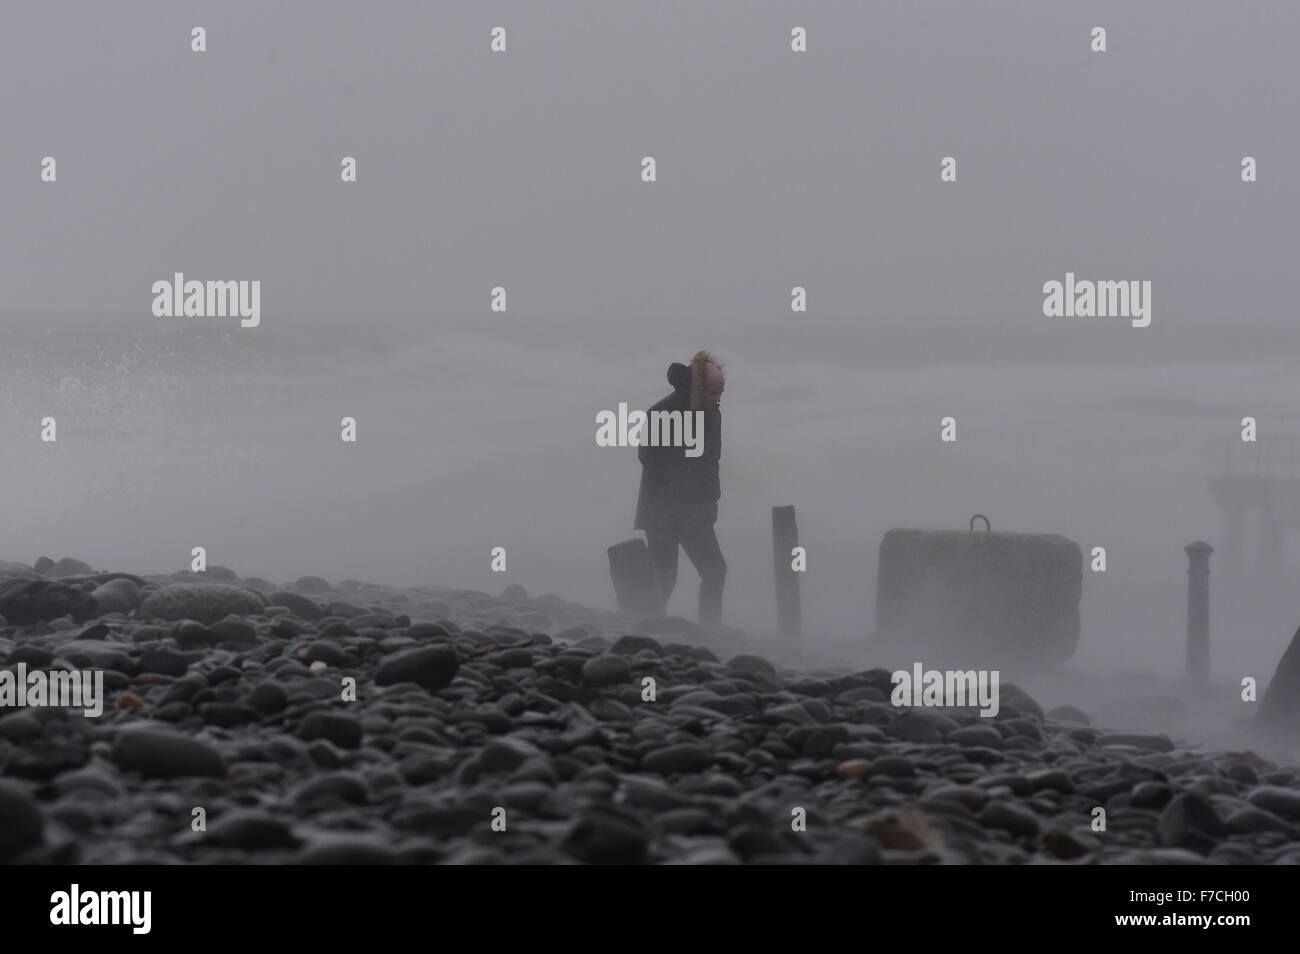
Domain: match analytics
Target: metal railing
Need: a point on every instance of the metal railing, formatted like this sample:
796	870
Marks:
1270	457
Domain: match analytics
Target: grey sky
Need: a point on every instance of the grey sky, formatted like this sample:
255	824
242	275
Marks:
522	169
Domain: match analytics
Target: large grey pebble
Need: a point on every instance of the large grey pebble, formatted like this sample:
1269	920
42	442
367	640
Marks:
204	602
606	834
268	697
158	753
605	670
1281	801
1010	817
342	729
432	667
506	755
301	606
1252	820
1190	822
235	631
164	660
117	596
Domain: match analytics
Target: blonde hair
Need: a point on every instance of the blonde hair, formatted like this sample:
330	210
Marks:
699	365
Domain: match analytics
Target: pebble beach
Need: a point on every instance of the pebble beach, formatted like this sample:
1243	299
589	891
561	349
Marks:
251	722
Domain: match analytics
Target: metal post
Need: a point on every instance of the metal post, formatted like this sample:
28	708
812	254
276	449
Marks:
1198	608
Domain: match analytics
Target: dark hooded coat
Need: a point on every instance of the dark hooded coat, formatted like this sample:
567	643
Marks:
677	491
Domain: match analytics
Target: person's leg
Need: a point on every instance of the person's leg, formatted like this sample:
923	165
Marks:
662	545
702	548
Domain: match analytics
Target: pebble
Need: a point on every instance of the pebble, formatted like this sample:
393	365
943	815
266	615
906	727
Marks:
268	698
894	765
21	825
19	727
976	735
226	715
686	821
346	851
1190	822
1153	743
512	658
1052	779
432	667
201	602
968	796
527	795
1280	801
117	596
1149	794
1241	773
604	834
301	606
1008	816
328	652
251	830
332	786
902	829
916	727
1069	714
1065	844
707	855
25	602
648	792
33	657
1250	821
859	769
190	634
675	759
234	631
505	755
605	670
156	753
340	728
793	712
749	663
163	660
630	645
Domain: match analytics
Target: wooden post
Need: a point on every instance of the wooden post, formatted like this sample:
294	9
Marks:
785	537
1198	608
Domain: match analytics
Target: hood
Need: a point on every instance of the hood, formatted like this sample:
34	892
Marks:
679	376
688	380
